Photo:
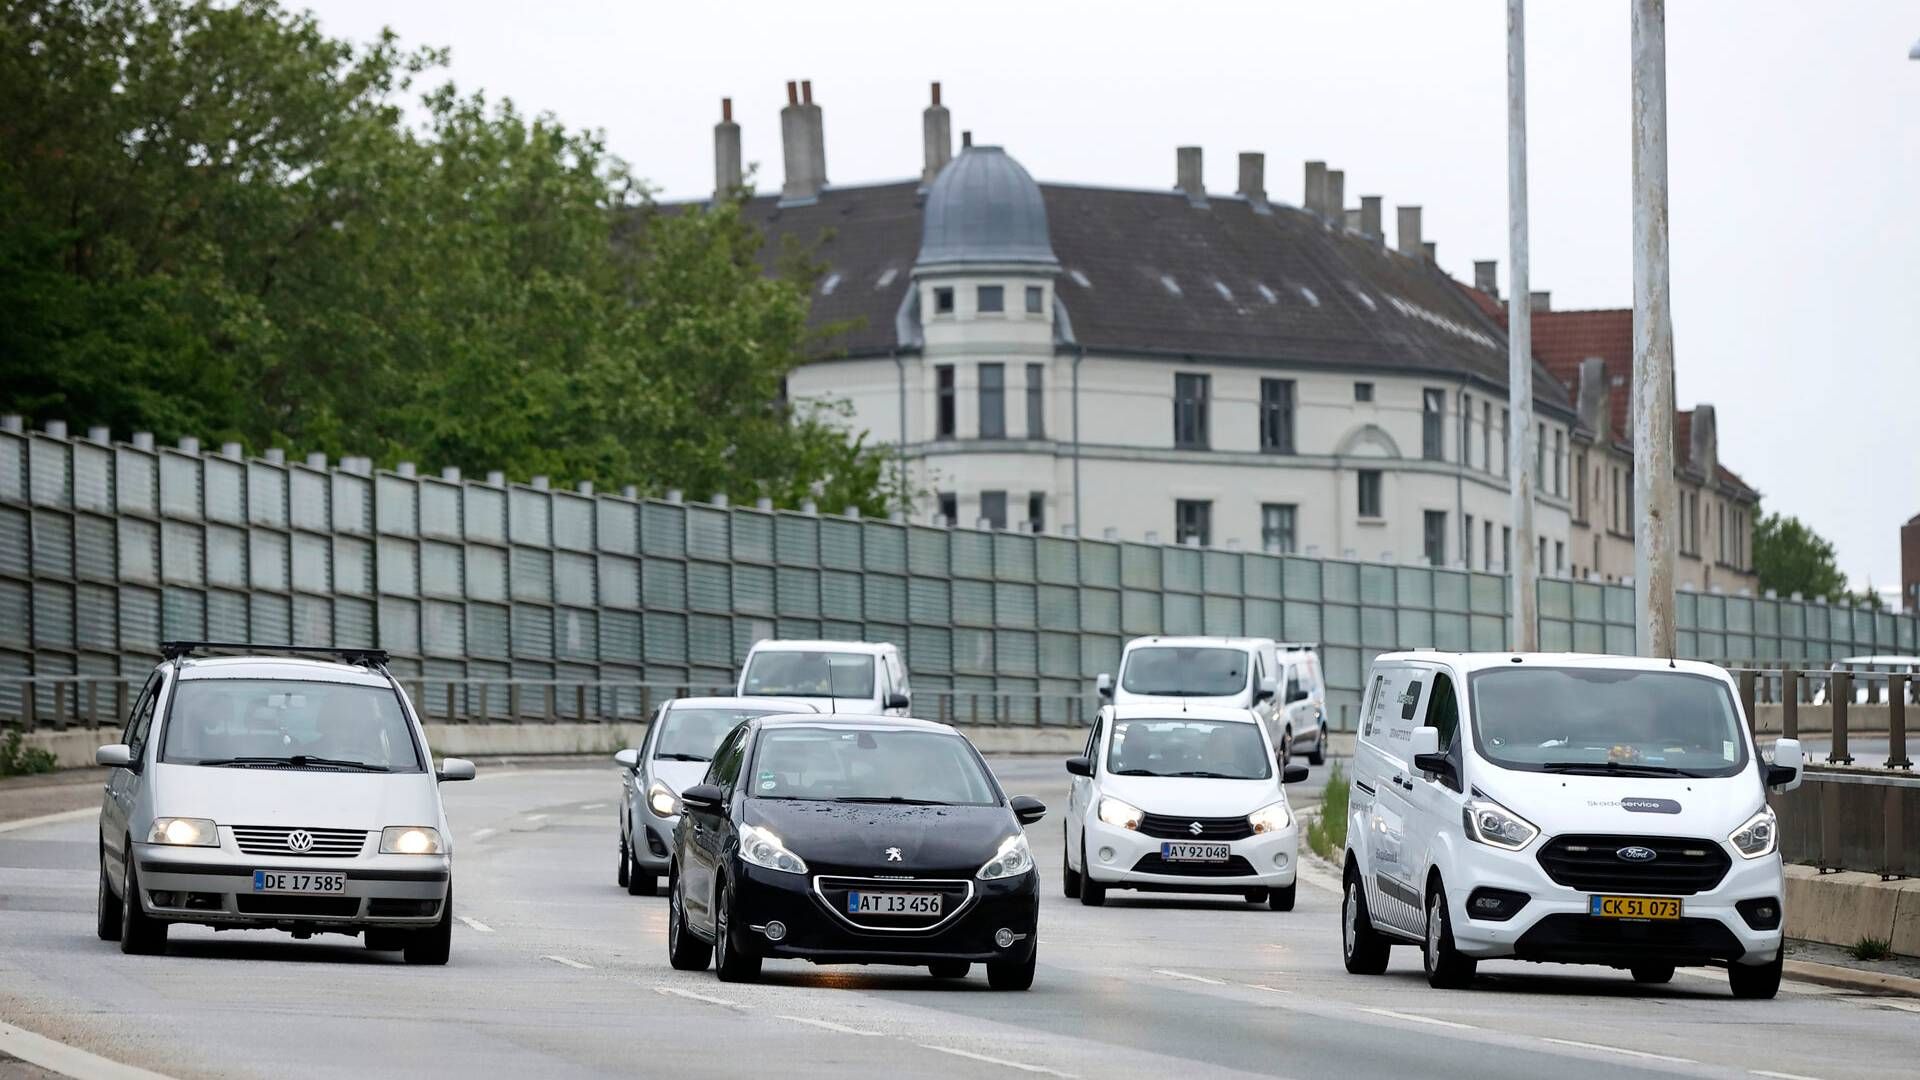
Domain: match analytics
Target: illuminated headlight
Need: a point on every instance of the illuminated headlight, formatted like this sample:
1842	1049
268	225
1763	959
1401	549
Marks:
1757	836
762	848
184	832
1119	814
662	801
1487	822
1012	860
409	840
1271	818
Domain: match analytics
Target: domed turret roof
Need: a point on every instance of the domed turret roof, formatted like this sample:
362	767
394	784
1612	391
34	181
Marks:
984	208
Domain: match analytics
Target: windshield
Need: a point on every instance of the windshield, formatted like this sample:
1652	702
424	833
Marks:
1185	671
810	674
266	722
694	734
1221	749
838	765
1604	721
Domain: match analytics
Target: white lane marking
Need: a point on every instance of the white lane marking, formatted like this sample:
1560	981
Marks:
829	1025
593	806
1171	974
577	965
1264	986
689	994
1781	1075
1417	1018
49	819
536	817
482	834
1021	1065
1620	1050
475	924
67	1060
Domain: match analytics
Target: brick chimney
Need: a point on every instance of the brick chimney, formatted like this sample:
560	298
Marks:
800	137
937	127
1409	238
1485	277
726	153
1253	181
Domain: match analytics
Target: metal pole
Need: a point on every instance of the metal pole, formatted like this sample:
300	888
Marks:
1521	582
1653	487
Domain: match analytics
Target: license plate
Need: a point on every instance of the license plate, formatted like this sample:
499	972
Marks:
1633	907
297	881
1177	851
893	903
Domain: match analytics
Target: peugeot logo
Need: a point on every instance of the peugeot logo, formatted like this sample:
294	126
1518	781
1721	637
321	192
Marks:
1636	853
299	840
893	854
1195	828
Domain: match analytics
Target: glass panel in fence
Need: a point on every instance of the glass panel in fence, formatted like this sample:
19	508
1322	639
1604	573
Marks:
1014	605
1012	557
92	478
1220	572
884	547
1099	564
797	592
840	543
752	537
663	584
1056	561
1222	615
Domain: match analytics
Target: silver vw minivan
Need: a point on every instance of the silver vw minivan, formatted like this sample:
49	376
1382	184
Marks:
272	790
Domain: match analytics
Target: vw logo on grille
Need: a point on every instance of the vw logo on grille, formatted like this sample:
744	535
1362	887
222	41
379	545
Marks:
299	840
1195	828
1636	853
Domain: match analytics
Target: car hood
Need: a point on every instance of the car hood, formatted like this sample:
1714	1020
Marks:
309	798
1236	700
678	775
854	837
1710	808
1192	795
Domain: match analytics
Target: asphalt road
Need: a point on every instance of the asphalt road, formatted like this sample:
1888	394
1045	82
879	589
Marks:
557	972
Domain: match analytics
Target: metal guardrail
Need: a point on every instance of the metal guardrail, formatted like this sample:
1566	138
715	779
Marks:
1850	820
1792	688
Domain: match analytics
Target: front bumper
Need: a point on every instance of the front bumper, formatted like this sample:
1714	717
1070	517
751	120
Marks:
652	844
816	931
1265	861
214	887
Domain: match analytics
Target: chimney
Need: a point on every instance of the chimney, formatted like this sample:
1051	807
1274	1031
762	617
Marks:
1704	453
938	128
819	130
1350	217
1336	205
1370	216
1410	232
1187	175
797	138
1540	300
1484	277
1431	250
1314	198
1253	180
966	140
1590	397
726	153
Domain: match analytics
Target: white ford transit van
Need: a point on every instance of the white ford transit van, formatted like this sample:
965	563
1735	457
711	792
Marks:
855	677
1562	808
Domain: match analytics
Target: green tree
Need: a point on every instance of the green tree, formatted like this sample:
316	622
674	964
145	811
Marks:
1792	558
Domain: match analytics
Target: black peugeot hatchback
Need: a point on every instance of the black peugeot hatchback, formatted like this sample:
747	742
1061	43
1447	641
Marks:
853	840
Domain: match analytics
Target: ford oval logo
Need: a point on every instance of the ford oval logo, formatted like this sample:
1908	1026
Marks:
1636	853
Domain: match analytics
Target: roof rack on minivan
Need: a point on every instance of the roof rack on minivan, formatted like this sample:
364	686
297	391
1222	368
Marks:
372	658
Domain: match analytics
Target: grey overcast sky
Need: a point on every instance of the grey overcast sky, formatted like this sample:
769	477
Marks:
1794	135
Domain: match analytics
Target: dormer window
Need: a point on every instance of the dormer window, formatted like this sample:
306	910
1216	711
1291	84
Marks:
943	300
993	299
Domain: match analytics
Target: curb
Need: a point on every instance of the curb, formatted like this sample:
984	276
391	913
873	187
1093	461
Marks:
1846	978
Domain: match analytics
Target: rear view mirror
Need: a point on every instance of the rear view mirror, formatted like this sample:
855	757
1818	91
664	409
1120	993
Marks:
1789	765
897	700
627	759
114	756
454	768
1027	809
1293	774
705	798
1103	685
1080	766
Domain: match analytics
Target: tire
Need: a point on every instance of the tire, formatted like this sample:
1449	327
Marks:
107	915
1652	974
1013	974
1069	877
731	962
140	933
380	939
639	884
1319	754
1282	899
684	951
1364	948
1759	983
950	969
1285	750
1092	893
431	947
626	866
1446	968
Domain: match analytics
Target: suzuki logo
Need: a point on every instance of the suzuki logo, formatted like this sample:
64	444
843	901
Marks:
893	854
1195	828
299	840
1636	853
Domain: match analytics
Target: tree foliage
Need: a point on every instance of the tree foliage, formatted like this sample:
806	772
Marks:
222	223
1792	558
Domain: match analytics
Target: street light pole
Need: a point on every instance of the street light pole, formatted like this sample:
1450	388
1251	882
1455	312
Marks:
1522	584
1653	485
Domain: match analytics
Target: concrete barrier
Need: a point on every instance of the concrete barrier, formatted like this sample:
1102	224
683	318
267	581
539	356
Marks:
1842	908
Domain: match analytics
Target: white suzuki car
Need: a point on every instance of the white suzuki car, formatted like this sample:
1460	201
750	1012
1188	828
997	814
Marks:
1173	799
1567	809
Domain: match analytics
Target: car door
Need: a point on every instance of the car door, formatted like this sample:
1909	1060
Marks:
1392	897
1082	793
1437	799
122	786
707	832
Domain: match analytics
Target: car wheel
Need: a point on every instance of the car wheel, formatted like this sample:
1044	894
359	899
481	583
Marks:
684	951
1446	968
1069	877
731	962
950	969
1363	947
1013	974
1092	893
1281	899
107	913
1319	754
639	884
431	947
626	865
140	933
1756	983
1652	974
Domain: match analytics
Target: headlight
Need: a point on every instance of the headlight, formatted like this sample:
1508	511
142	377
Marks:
1012	860
661	800
409	840
1757	836
184	832
762	848
1271	818
1490	823
1115	812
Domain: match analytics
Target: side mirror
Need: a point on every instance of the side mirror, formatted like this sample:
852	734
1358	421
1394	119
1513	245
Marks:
1269	686
1292	774
1788	768
1103	685
627	759
1299	694
1027	809
897	700
114	756
1080	766
454	768
702	798
1426	740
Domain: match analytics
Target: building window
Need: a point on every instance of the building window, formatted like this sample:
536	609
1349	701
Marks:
1466	431
1192	521
1432	414
992	298
1435	537
1580	486
1036	296
1559	557
993	508
1276	527
1369	493
1037	512
1559	462
1036	401
1540	461
945	404
1486	435
1276	416
1614	507
1541	566
993	401
1506	548
1506	451
943	300
1190	411
1486	546
1363	391
950	508
1466	543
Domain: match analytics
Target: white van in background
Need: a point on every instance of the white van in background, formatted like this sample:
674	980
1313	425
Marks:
856	677
1280	682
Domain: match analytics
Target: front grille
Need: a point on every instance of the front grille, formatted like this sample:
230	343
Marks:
1173	827
323	843
310	907
1680	867
1235	866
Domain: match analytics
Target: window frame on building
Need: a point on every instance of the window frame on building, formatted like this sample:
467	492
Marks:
946	402
1363	391
1279	528
943	299
1433	537
993	509
1037	511
990	299
949	507
992	398
1190	411
1433	424
1276	416
1368	491
1036	401
1193	518
1036	300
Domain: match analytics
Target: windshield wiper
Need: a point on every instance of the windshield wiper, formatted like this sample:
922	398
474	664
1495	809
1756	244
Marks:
1136	772
1605	768
898	800
1206	774
681	757
298	761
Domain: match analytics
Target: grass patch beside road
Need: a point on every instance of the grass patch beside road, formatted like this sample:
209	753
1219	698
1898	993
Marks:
16	760
1871	948
1327	833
